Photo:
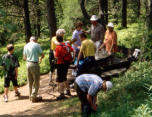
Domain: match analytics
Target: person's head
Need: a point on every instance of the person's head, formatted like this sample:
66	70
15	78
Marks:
110	27
78	26
60	32
82	36
10	48
59	38
94	19
106	85
32	38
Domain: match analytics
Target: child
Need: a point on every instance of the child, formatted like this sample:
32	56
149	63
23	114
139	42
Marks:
10	64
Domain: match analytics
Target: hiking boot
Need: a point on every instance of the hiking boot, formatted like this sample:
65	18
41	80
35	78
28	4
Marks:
36	99
61	96
5	98
68	93
17	94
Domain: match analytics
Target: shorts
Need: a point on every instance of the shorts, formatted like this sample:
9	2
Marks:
8	79
62	70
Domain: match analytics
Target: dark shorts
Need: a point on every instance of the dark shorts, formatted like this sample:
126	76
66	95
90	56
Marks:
62	70
86	67
8	79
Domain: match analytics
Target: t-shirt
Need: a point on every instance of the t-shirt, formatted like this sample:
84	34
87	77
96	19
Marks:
87	48
53	45
60	53
75	35
32	51
111	39
97	33
89	83
10	62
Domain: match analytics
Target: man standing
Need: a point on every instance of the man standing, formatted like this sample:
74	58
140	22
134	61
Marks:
87	49
31	53
87	87
97	33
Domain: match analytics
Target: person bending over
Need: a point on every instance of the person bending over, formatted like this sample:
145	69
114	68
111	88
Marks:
87	86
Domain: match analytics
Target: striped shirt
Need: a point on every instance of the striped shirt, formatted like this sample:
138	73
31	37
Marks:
89	83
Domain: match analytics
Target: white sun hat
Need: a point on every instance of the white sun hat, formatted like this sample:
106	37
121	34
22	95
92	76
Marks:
94	18
110	25
108	85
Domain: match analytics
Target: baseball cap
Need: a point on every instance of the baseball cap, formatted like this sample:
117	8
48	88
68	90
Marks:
110	25
93	18
108	85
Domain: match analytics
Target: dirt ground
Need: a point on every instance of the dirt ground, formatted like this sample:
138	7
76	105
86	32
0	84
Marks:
48	107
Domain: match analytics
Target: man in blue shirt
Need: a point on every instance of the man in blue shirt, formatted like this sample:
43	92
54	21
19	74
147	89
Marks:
87	87
31	53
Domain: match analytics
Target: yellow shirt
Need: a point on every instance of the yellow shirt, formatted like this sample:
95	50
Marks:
53	45
87	48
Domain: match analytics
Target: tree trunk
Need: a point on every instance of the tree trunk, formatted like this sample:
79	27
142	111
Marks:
84	12
149	15
51	18
138	10
27	21
101	12
38	19
116	8
124	13
106	11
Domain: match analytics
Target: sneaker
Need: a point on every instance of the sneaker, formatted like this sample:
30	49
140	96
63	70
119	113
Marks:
60	97
37	99
5	98
17	94
68	93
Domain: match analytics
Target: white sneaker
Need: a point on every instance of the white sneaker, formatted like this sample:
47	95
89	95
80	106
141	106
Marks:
5	98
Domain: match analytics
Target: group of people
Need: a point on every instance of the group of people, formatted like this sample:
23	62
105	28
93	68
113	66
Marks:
82	53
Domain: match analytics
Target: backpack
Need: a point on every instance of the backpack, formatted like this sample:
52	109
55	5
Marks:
66	52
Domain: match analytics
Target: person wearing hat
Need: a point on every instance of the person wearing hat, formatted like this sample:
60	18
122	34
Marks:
87	86
110	41
31	53
97	33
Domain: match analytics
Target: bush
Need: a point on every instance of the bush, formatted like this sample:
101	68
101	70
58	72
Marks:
129	96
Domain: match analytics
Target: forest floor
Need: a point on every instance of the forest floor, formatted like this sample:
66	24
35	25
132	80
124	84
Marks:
49	106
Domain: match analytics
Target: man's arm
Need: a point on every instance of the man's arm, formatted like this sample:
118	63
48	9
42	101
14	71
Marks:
24	58
16	71
92	101
79	56
42	56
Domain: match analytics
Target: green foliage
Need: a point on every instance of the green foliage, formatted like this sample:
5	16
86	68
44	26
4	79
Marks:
130	37
8	29
71	13
147	45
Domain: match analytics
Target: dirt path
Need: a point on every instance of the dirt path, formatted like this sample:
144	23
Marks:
48	107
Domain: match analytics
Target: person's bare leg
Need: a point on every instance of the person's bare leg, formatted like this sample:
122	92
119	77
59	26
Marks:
6	92
15	89
61	87
66	83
